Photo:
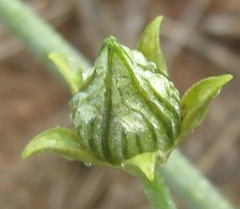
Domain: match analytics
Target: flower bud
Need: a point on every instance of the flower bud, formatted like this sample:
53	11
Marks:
125	112
125	108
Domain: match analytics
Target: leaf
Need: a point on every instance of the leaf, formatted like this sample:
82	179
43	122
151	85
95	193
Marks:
196	101
145	163
70	70
149	45
61	141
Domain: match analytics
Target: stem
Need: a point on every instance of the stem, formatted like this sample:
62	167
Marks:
36	34
157	192
41	39
195	190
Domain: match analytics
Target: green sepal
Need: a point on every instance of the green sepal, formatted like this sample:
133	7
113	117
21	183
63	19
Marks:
196	100
141	164
61	141
149	45
70	69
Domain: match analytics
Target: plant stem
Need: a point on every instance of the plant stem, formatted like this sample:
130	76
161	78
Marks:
187	182
157	192
41	39
36	34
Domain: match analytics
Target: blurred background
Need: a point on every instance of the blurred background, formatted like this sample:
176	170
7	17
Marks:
200	38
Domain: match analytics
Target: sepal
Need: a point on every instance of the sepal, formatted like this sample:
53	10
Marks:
142	164
149	45
61	141
196	101
70	69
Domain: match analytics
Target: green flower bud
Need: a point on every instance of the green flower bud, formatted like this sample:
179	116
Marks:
126	113
126	107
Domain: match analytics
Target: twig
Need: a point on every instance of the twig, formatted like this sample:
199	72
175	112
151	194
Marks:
158	193
56	15
190	185
39	37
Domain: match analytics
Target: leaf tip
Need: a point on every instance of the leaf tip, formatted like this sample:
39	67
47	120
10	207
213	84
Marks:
24	154
69	68
28	151
158	20
149	45
228	77
196	100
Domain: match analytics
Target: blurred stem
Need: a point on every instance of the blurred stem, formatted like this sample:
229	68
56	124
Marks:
41	39
36	34
157	192
187	182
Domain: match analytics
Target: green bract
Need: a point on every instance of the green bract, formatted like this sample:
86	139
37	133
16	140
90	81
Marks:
126	113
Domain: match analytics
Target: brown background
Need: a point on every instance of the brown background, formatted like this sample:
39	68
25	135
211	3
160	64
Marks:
199	37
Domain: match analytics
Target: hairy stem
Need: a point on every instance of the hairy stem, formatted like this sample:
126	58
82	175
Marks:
41	39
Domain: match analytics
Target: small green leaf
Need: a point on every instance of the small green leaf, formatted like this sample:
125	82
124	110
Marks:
61	141
145	163
149	45
196	101
70	70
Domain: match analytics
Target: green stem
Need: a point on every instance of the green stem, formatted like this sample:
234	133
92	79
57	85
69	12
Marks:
158	193
41	39
36	34
186	181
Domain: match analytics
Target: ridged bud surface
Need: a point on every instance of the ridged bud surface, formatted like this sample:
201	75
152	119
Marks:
125	108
